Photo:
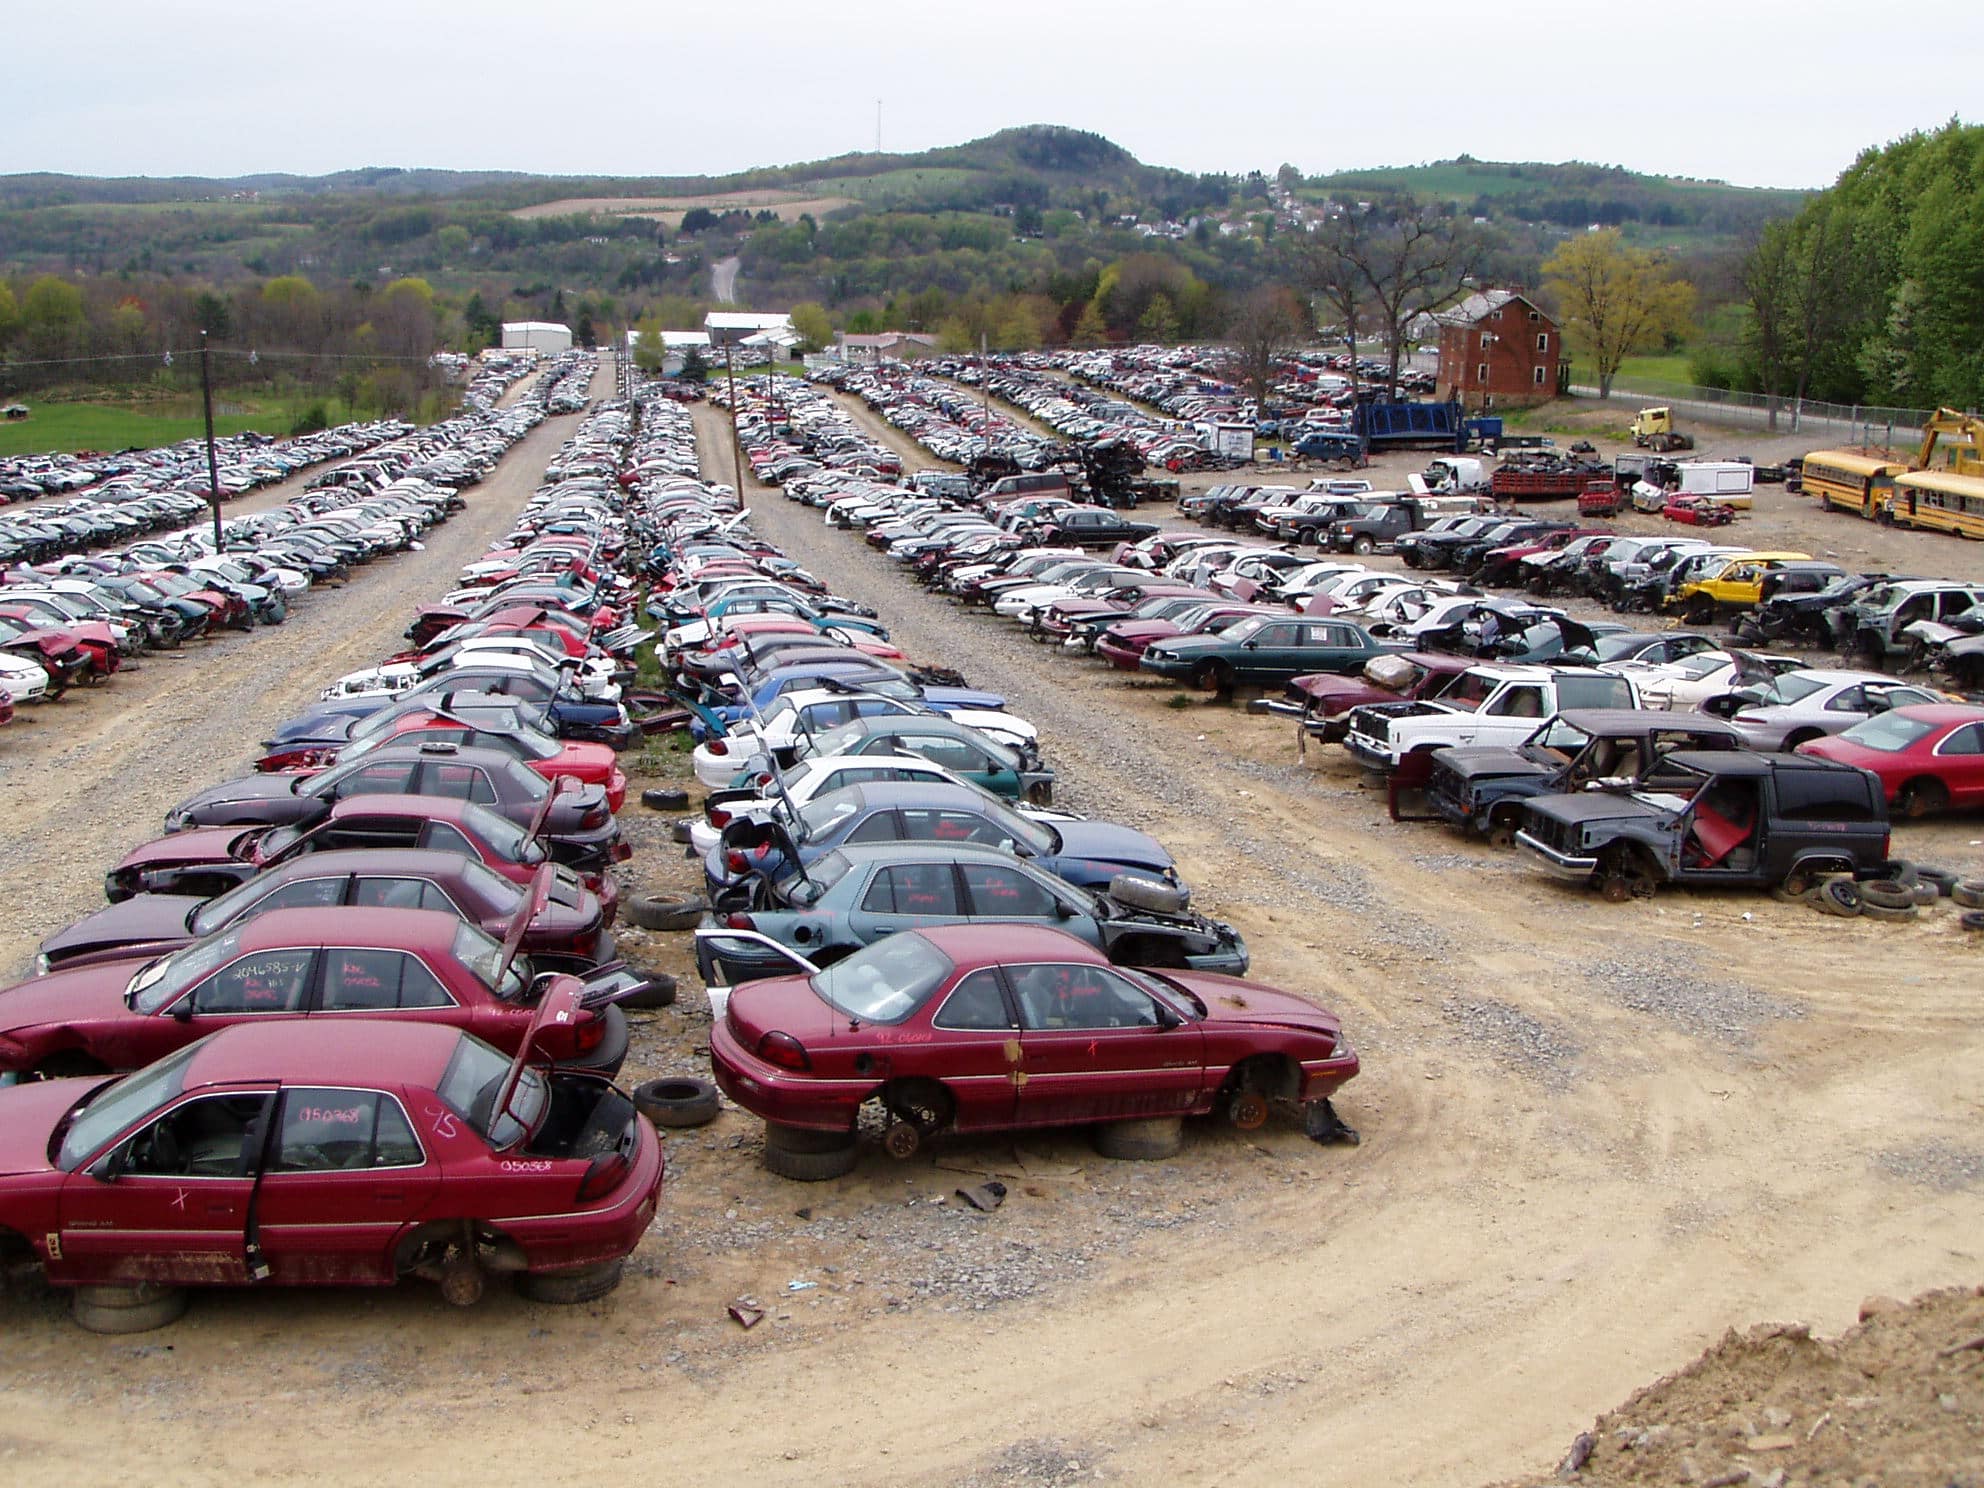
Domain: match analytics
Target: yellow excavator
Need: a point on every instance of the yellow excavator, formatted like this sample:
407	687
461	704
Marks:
1965	433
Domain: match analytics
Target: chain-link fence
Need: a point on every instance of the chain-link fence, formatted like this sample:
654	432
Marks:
1855	423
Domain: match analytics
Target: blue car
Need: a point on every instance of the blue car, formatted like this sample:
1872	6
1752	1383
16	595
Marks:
1085	853
864	673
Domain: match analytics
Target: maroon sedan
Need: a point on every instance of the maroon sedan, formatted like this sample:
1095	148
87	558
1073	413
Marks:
1124	643
212	860
320	965
978	1028
568	933
348	1155
1929	756
1324	700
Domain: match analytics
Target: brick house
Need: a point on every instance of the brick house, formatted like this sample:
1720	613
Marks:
1498	350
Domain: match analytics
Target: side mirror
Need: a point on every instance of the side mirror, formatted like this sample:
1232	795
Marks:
109	1167
1166	1018
182	1010
1064	910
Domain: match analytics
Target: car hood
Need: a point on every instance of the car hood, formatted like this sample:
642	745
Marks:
136	921
1236	1000
1143	630
247	788
85	995
963	697
1590	806
1106	842
28	1114
200	845
1479	761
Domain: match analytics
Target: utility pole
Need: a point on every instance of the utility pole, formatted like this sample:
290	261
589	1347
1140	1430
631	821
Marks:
736	445
213	461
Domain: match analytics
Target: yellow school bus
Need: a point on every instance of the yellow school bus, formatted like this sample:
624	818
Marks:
1844	481
1938	501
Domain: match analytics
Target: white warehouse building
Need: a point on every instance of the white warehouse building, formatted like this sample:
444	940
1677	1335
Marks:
544	337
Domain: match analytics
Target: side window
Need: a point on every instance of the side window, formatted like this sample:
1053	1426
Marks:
867	774
400	893
976	1004
387	778
371	981
1968	740
328	1131
1054	997
262	982
206	1138
308	893
913	889
444	838
1848	700
879	827
457	782
1812	795
1005	893
367	832
952	754
948	826
1517	702
1279	635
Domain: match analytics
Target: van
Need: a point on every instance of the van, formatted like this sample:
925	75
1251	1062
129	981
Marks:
1035	483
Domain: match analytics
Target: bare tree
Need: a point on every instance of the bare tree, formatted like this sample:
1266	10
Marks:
1386	265
1261	333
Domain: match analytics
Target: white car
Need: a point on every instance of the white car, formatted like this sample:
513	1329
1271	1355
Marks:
22	680
1693	680
814	711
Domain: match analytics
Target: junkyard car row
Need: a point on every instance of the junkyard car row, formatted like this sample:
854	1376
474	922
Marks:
378	974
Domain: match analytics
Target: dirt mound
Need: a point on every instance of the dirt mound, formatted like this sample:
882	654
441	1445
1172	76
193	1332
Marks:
1896	1401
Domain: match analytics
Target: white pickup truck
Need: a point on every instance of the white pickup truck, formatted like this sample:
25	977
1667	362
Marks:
1493	703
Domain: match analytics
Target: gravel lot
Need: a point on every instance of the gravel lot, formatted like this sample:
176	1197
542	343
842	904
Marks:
1595	1136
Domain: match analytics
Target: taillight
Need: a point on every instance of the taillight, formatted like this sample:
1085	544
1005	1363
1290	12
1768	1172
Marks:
783	1050
718	817
736	862
595	818
603	1175
740	922
719	747
589	1035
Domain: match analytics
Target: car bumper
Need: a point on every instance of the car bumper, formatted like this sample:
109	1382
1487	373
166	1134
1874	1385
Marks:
1572	867
1168	666
1369	753
563	1242
783	1096
1322	1078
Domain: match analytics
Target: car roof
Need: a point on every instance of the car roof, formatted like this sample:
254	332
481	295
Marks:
1941	713
928	852
915	793
451	809
1608	720
366	1052
1748	762
387	929
410	746
1007	942
427	862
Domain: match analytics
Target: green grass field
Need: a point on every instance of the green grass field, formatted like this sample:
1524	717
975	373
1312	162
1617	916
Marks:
65	427
1670	368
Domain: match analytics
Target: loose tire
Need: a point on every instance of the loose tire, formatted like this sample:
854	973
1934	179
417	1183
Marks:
678	1101
1141	1141
1839	897
660	993
568	1288
1894	913
1143	891
1924	893
1968	893
1886	893
652	913
815	1166
1972	920
665	798
1942	878
127	1309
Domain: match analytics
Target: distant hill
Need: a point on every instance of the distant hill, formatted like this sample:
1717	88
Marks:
1571	195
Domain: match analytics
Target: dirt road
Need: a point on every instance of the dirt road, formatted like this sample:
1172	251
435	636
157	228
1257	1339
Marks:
1595	1136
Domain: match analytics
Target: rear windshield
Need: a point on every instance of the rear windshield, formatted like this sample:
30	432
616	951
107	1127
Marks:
1594	691
471	1084
886	982
1888	732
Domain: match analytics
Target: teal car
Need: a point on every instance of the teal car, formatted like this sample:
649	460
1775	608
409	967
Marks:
964	751
1266	651
861	892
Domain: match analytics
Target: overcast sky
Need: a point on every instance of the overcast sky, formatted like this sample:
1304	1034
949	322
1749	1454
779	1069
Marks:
1757	92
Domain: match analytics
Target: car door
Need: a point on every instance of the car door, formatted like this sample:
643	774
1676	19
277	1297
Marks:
345	1173
905	896
1960	761
259	984
998	891
976	1045
1097	1047
1270	652
169	1202
961	757
382	778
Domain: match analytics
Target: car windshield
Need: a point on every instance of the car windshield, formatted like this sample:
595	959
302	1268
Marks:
158	982
1780	691
472	1082
886	982
482	954
108	1109
505	838
217	912
807	886
1701	664
820	816
1888	732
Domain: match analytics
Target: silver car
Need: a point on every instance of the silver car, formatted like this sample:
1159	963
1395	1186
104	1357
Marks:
1812	701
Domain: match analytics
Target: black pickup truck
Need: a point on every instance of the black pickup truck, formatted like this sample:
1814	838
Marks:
1481	789
1722	818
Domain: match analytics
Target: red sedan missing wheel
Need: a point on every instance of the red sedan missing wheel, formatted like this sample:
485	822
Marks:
976	1028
